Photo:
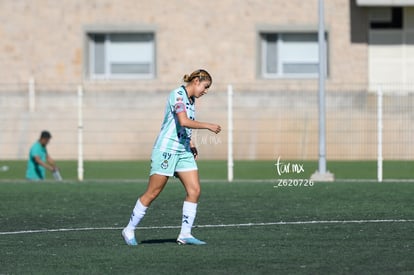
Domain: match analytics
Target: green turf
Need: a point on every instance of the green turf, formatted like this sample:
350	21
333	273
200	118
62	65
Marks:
350	248
210	169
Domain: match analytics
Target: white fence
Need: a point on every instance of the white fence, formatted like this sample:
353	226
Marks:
121	123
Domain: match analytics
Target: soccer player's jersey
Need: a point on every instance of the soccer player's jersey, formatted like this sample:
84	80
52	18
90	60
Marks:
173	138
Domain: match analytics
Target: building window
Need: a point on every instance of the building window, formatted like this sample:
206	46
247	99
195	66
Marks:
289	55
121	55
386	18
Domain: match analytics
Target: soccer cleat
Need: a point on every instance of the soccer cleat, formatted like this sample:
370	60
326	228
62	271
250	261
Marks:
129	237
190	240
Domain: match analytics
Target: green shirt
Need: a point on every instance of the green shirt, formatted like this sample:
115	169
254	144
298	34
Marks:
34	170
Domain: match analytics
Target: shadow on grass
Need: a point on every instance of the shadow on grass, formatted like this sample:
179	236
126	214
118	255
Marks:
159	241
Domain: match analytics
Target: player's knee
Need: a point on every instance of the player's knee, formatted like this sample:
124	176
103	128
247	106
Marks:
149	196
194	192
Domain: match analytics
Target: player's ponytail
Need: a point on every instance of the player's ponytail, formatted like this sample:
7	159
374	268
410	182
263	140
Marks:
200	74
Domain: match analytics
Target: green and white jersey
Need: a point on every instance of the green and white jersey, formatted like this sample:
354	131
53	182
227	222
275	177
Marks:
173	138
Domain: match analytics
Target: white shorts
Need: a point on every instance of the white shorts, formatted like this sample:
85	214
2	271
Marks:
163	163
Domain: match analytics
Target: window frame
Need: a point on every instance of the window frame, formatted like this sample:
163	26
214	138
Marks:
279	31
89	61
395	20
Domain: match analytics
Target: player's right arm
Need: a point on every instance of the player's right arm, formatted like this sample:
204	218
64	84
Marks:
44	164
51	161
184	121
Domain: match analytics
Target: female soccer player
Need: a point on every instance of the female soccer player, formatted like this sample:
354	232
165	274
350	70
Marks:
174	154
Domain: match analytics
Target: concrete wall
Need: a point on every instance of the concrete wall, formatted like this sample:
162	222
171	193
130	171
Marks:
123	124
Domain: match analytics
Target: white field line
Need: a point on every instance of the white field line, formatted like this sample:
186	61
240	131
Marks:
209	226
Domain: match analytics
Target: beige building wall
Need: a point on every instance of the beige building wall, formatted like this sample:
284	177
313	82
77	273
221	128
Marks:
46	39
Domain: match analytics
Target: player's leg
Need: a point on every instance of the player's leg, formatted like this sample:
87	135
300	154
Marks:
191	183
155	186
162	167
188	175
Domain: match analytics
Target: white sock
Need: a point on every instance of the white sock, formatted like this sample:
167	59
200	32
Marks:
189	214
136	216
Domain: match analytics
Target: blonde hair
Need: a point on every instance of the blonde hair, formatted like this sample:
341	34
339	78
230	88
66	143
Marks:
200	74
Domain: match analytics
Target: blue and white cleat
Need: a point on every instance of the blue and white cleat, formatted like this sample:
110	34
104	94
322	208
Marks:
190	240
129	237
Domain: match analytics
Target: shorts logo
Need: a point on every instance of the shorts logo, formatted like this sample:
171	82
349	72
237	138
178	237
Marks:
164	164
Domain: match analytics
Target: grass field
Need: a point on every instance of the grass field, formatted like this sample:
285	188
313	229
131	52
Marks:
256	170
251	227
